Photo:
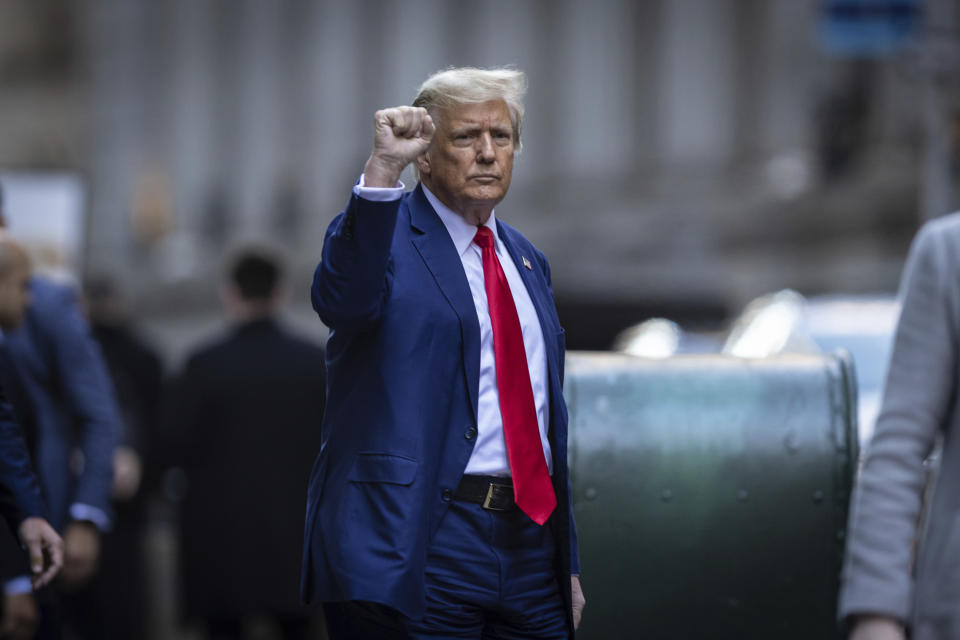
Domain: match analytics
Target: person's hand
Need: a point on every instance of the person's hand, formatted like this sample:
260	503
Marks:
877	628
577	600
20	616
400	135
45	548
81	552
127	472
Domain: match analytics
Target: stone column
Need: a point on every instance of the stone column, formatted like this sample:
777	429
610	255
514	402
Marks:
113	41
594	89
697	83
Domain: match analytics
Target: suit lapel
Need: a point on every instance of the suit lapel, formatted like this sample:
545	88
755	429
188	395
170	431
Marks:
433	243
537	290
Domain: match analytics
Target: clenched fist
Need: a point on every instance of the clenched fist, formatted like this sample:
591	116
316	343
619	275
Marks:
400	135
81	553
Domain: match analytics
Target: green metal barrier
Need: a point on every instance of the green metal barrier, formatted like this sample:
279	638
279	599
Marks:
711	493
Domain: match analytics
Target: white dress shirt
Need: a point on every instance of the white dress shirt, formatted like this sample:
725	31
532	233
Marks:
489	455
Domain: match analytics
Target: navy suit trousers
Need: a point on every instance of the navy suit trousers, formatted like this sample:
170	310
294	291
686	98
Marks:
490	576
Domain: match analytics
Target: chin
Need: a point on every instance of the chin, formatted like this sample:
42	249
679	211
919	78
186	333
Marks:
491	193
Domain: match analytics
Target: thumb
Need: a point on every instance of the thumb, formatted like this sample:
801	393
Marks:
35	549
427	127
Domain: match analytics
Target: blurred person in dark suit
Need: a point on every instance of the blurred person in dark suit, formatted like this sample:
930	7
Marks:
63	390
21	501
114	605
246	418
137	373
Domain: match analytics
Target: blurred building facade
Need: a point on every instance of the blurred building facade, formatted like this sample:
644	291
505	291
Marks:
680	156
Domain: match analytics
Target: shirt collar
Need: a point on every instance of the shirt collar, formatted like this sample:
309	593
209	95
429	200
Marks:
461	231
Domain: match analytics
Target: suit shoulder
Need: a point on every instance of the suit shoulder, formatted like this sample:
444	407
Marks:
947	227
518	238
300	342
46	293
206	351
228	347
522	244
407	201
304	356
938	243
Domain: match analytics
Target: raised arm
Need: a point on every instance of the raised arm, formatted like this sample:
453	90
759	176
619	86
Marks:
351	280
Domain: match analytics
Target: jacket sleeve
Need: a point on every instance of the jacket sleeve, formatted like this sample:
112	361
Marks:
574	544
352	282
14	562
88	392
20	495
887	499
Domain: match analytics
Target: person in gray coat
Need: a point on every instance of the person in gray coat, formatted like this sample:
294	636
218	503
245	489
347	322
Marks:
902	571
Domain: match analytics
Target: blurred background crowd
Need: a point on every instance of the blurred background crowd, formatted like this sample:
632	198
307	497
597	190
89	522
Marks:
177	161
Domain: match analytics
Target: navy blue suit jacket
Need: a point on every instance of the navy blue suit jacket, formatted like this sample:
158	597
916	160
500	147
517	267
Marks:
60	368
403	366
20	495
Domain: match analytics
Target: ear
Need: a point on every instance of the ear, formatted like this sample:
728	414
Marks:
423	163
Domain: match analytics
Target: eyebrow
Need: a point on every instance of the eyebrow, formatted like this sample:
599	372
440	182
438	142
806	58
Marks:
472	127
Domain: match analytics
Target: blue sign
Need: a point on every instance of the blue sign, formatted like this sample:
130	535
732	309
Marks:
871	28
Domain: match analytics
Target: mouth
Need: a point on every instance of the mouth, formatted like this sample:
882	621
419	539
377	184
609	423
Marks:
485	178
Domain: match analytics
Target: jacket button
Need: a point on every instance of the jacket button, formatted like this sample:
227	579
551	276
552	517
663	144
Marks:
447	495
470	433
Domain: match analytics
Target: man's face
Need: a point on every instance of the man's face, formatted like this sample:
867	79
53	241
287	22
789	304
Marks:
470	162
14	297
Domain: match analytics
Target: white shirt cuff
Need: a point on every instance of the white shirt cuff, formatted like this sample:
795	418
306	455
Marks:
80	511
18	586
378	194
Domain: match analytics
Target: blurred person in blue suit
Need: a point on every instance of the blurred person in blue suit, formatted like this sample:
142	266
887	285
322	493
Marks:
244	426
21	501
439	504
66	395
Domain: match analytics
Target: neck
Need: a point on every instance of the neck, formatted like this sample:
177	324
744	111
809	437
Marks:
252	311
474	212
477	217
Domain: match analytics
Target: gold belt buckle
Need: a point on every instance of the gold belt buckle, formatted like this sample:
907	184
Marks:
491	490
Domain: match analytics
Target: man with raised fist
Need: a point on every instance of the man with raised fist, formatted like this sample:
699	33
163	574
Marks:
439	505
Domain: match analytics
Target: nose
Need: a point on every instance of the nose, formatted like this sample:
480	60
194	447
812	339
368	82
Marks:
485	151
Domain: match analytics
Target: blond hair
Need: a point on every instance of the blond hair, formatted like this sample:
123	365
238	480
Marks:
470	85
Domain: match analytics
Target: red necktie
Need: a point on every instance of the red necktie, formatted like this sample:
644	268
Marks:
532	488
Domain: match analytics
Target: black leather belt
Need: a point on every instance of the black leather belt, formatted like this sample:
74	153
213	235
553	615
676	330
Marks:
493	493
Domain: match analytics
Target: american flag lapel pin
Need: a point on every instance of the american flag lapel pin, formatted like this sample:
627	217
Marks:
526	263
